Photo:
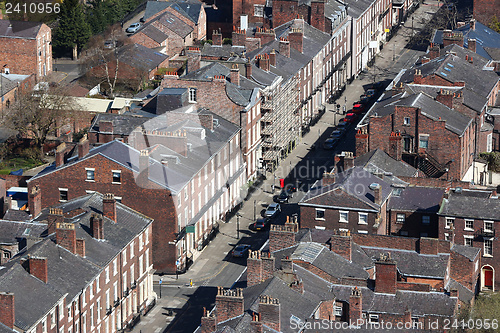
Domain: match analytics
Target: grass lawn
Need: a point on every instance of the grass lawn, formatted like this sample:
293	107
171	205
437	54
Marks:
16	163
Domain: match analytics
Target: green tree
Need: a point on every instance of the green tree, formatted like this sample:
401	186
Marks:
73	30
495	24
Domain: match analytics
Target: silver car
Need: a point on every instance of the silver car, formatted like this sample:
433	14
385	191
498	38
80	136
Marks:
134	27
273	210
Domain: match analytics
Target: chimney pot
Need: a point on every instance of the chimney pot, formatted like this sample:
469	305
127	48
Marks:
109	206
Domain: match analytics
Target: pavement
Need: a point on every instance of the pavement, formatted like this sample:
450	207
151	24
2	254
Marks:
184	296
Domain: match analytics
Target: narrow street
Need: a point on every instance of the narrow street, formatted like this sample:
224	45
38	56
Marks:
181	305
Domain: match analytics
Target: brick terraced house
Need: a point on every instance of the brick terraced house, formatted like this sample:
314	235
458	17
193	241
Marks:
90	270
183	169
472	217
26	48
316	275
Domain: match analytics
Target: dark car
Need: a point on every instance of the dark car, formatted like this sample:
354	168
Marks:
337	134
260	224
330	143
241	250
370	93
284	196
364	98
291	188
342	125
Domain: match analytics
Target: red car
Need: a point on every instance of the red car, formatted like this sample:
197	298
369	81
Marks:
358	108
350	117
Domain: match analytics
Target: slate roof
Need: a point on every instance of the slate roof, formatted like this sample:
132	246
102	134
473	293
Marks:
188	8
28	308
467	251
173	23
379	161
5	329
462	52
19	29
122	124
471	99
154	33
221	51
351	191
173	176
464	294
417	199
468	204
154	7
12	231
357	7
140	57
16	215
485	37
454	69
328	261
429	107
493	52
412	263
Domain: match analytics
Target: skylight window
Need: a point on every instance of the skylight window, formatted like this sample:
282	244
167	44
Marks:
450	65
443	74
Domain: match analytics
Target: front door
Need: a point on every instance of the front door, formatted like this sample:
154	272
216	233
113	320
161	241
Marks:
488	278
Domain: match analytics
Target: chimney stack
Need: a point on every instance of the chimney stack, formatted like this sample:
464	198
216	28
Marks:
284	48
83	147
255	324
396	146
417	77
269	311
96	225
264	62
248	70
235	75
361	138
239	37
60	152
80	247
428	245
272	58
37	267
66	236
143	177
55	216
208	324
377	194
35	201
434	51
229	303
7	309
341	244
282	236
217	38
329	178
109	206
193	54
385	275
355	305
445	97
472	44
296	38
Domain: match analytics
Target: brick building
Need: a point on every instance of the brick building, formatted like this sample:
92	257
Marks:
107	127
16	236
227	93
485	10
346	280
135	63
11	85
170	170
471	217
90	271
25	48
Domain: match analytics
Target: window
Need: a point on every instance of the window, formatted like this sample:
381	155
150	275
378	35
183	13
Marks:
469	225
343	216
400	218
117	176
90	174
426	219
449	223
124	256
363	218
91	291
92	316
320	214
141	265
115	291
373	318
132	276
406	121
44	325
446	236
63	194
337	310
488	246
258	10
98	311
146	234
52	319
488	226
84	322
132	250
147	258
108	305
468	240
106	272
423	141
124	279
192	95
141	240
115	267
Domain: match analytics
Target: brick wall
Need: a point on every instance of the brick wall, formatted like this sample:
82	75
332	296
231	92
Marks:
413	224
7	310
331	221
485	10
144	40
229	304
282	236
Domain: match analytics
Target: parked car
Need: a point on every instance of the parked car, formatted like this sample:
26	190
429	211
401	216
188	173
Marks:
133	27
358	108
261	224
109	44
342	125
364	98
284	196
351	117
241	250
291	188
273	210
336	134
370	93
330	143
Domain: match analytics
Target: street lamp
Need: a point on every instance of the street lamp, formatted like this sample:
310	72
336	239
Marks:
1	88
238	225
412	32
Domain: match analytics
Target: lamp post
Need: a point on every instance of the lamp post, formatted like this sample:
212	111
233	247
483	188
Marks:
238	226
412	32
1	88
254	209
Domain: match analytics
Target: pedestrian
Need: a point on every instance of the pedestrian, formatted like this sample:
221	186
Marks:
272	188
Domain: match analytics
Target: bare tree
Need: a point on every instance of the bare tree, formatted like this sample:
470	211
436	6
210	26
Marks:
36	114
103	55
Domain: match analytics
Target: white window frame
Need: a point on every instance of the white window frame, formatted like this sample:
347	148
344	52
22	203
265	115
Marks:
141	240
423	138
87	179
365	215
67	194
426	219
488	253
192	95
115	267
363	232
113	176
465	225
400	216
449	222
470	238
124	256
337	310
489	223
373	318
316	214
341	220
132	250
258	10
91	290
52	319
106	274
446	236
406	121
44	325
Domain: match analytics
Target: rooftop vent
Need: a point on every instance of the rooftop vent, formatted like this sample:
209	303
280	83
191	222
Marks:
216	123
374	186
458	190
